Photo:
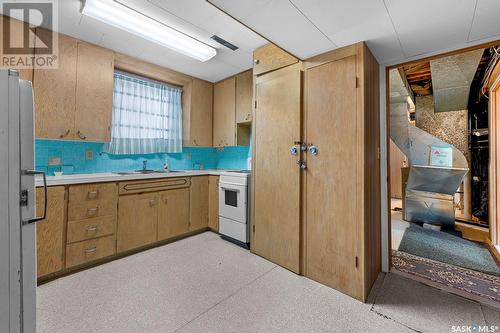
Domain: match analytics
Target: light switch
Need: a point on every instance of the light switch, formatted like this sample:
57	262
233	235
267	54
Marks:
89	155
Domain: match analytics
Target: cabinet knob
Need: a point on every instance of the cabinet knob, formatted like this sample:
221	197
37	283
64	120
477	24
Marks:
152	202
256	61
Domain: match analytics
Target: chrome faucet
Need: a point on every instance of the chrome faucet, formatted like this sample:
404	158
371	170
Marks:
144	165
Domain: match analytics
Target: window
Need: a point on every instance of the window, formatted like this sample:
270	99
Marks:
147	116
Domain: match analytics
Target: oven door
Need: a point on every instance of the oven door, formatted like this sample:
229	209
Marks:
233	201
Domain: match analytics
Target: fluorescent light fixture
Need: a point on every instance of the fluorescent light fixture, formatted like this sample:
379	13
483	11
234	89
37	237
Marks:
119	15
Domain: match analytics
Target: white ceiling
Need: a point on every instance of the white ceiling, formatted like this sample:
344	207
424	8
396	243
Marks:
195	17
395	30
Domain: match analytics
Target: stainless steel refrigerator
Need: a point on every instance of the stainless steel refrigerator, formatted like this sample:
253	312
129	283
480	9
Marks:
17	205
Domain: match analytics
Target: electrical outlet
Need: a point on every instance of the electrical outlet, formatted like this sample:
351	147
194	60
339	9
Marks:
53	161
89	155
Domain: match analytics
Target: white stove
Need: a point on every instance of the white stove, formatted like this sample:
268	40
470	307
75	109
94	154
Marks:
234	206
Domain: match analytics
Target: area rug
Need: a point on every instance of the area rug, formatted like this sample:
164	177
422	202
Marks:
451	249
477	283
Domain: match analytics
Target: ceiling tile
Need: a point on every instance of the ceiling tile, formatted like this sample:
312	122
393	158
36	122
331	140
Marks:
486	21
428	25
349	22
281	23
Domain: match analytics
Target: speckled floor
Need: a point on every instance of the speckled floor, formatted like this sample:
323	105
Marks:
205	284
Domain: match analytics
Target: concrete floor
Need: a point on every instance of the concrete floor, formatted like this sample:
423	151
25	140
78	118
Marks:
205	284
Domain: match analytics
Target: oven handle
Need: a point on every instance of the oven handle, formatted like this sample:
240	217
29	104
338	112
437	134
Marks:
229	189
228	183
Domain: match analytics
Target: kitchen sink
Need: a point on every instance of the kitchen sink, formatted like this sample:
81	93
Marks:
146	172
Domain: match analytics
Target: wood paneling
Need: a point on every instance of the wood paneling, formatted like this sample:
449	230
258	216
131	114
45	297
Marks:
333	204
224	131
173	213
244	92
90	228
54	91
270	57
94	93
50	232
89	250
213	203
198	216
201	114
397	160
137	221
276	176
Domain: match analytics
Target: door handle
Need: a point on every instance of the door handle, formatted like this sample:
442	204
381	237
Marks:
24	196
65	134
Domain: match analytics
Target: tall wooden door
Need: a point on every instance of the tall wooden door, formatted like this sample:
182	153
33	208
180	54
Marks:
276	184
333	204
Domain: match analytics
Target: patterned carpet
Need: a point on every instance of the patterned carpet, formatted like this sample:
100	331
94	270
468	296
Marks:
477	283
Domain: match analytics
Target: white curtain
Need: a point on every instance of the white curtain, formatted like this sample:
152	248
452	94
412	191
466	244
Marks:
147	117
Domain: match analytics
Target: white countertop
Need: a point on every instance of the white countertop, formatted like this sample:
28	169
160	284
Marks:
115	177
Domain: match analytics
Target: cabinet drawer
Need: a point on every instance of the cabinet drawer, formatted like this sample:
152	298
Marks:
92	193
90	228
90	210
89	250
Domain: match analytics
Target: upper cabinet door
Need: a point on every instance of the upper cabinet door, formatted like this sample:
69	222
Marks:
224	113
94	93
269	58
244	97
55	93
201	114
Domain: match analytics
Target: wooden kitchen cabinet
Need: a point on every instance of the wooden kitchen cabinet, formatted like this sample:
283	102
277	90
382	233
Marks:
201	114
94	93
54	91
270	57
244	90
137	221
213	203
50	232
173	215
198	216
224	123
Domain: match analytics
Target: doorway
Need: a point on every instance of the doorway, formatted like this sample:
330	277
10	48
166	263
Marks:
441	193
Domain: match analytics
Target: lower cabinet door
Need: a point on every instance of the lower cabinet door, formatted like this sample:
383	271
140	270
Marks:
49	232
137	221
173	213
213	203
198	203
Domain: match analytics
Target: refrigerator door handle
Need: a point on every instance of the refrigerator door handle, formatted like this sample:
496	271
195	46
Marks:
34	173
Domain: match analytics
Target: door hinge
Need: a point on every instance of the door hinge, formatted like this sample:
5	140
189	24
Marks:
253	228
357	82
255	104
356	262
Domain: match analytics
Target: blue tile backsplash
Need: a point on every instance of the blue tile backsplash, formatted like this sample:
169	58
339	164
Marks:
71	158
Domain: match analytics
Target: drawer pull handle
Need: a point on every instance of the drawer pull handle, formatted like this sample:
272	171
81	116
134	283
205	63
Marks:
152	202
92	211
93	195
91	250
92	229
